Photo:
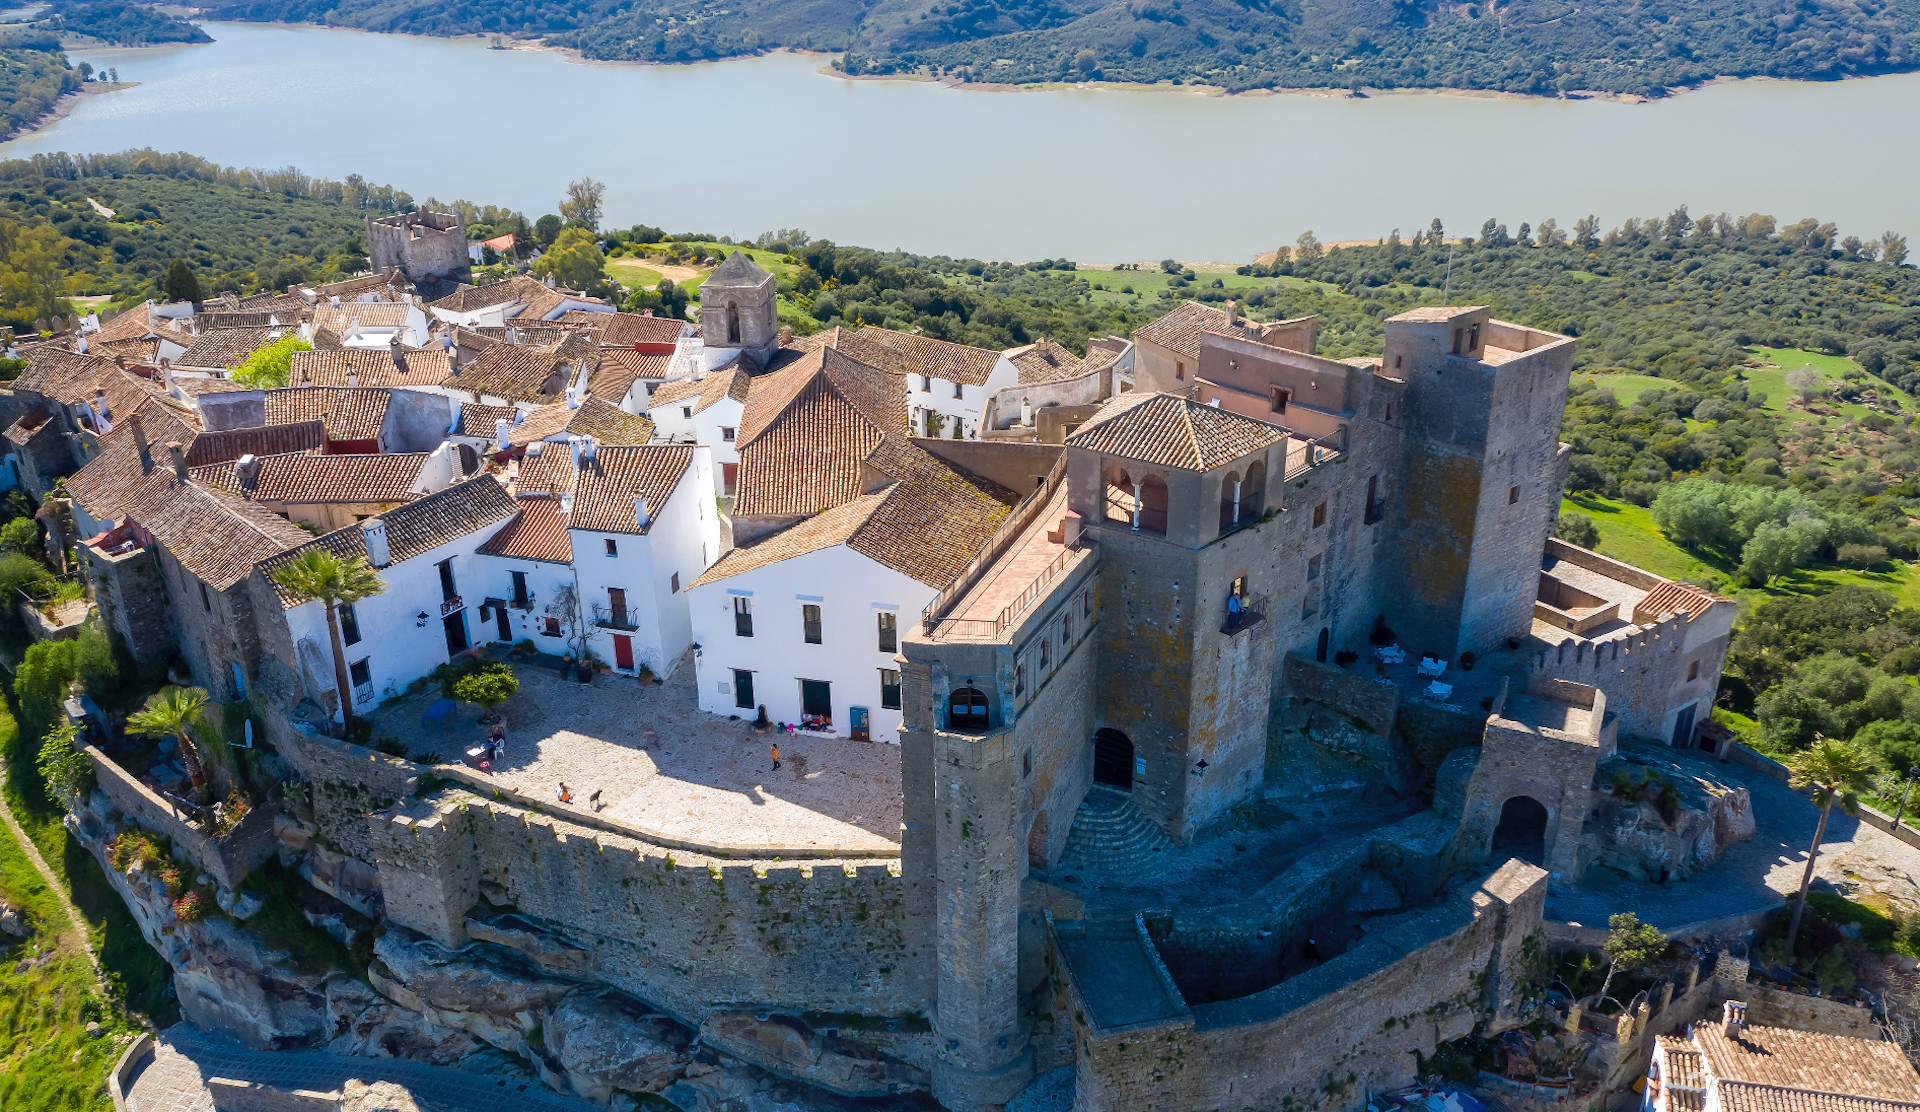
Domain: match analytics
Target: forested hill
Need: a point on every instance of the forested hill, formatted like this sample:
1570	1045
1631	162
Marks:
33	76
119	23
1642	47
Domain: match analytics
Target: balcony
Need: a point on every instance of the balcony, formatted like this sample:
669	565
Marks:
1252	611
607	617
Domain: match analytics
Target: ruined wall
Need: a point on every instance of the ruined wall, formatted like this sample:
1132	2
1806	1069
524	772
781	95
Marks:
682	931
227	860
132	595
420	244
1519	757
344	782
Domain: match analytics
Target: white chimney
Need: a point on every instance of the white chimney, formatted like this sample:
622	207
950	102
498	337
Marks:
335	301
1734	1018
566	502
353	378
374	532
550	283
1026	411
500	427
578	449
640	512
573	398
247	470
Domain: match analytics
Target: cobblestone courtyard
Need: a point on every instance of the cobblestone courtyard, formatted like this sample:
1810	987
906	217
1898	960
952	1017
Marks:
661	763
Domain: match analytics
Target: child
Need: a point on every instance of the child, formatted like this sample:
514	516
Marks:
566	793
776	756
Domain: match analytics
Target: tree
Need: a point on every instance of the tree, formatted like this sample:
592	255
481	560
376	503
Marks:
547	229
1893	248
268	368
320	576
487	688
1837	773
583	203
574	259
1631	945
1804	381
1586	232
1576	529
62	765
170	712
33	268
1777	549
22	534
1309	246
180	283
1693	513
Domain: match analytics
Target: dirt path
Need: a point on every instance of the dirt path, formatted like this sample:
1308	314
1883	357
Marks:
77	924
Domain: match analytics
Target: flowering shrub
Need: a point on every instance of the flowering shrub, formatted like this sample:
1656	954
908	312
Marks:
134	849
173	880
192	907
228	815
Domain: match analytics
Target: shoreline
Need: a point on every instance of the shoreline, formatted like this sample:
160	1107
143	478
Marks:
64	105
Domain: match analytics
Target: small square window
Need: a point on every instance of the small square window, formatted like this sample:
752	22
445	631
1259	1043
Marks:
686	411
1278	397
1319	515
1179	369
726	434
613	548
674	583
956	390
1513	495
361	672
550	627
1026	764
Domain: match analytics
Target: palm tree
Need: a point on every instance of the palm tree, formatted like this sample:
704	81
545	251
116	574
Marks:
1837	773
321	576
170	711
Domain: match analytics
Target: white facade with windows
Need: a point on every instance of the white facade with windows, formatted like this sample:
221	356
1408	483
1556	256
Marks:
633	585
935	404
862	608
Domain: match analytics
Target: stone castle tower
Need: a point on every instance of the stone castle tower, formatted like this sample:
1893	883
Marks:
425	246
737	311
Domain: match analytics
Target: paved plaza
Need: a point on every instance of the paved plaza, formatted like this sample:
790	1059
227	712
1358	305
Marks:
661	763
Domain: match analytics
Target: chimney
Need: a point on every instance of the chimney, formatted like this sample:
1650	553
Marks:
393	349
1233	313
177	455
247	470
1026	412
1070	528
80	343
566	502
335	301
577	445
640	512
374	532
353	378
500	427
139	430
550	282
1734	1019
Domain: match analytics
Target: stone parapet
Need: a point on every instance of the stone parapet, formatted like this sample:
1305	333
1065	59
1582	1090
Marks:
227	860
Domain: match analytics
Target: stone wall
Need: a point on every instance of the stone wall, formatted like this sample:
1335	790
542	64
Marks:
227	860
1637	671
133	600
344	781
680	930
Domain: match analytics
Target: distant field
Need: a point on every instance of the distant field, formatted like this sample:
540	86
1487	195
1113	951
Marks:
1773	380
1109	284
1627	532
1628	388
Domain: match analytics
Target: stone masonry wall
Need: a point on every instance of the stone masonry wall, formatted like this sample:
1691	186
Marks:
345	782
684	932
133	600
1636	671
227	860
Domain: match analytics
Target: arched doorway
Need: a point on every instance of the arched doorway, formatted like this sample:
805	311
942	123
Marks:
1153	505
967	710
1320	650
1113	759
733	322
1522	831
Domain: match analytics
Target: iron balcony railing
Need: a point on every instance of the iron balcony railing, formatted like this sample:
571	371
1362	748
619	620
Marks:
606	617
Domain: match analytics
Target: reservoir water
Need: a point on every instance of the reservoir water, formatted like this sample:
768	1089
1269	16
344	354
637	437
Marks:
736	148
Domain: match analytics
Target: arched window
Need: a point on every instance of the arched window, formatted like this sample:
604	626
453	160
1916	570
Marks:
967	710
1153	505
1253	492
1229	500
1320	650
1119	495
733	322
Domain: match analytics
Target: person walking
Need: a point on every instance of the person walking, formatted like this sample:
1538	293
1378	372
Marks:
776	756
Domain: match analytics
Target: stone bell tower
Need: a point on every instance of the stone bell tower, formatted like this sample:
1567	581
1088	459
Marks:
737	312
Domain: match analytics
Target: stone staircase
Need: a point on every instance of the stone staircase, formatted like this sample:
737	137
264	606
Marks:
1109	834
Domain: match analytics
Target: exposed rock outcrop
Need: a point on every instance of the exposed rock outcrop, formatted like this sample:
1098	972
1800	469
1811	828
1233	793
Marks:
1660	819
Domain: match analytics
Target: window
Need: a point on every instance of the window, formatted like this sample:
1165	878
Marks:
889	632
742	616
1389	411
967	710
1044	661
889	689
926	384
673	584
743	688
550	627
1066	631
519	589
360	672
1179	369
613	547
956	391
1313	568
1473	337
1278	397
1396	366
1086	604
1026	764
726	434
1457	333
617	607
686	411
1513	495
206	600
810	619
447	590
349	625
1019	676
1693	669
1319	515
1373	489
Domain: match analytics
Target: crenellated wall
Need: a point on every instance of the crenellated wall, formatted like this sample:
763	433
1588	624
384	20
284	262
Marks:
1637	671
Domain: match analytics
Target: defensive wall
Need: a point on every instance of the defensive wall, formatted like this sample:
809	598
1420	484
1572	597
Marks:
686	932
1320	1040
1636	671
227	860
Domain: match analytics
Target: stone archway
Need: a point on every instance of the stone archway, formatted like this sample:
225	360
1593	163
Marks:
1522	831
1113	759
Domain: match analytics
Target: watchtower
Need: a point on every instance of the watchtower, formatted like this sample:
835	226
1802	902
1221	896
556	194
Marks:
737	311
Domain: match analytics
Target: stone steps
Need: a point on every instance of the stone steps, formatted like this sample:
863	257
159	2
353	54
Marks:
1110	834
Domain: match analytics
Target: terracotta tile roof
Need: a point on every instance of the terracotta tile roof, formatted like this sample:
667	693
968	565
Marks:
537	532
607	484
624	329
134	324
368	314
247	318
303	478
215	536
1742	1097
370	367
65	376
1180	330
266	440
102	486
550	472
417	527
1686	1100
1669	598
137	349
808	429
593	417
516	374
1804	1060
928	526
193	386
1173	431
270	300
478	420
351	413
472	299
728	382
1043	361
28	424
619	367
226	348
346	289
1683	1062
904	353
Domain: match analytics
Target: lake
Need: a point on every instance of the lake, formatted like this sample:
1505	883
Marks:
736	148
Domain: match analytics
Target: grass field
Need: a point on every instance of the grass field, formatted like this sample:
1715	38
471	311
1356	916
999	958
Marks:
1772	380
1108	285
1627	532
1628	388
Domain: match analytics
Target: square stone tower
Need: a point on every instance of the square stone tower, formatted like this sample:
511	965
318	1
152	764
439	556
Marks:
1480	476
737	311
425	246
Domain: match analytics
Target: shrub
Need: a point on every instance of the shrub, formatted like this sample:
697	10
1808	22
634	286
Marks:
228	816
134	849
390	745
192	907
1862	555
487	687
1577	529
64	766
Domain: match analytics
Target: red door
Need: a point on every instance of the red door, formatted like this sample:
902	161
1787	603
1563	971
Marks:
728	473
622	651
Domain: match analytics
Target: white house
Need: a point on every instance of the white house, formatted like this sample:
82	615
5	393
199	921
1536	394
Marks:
705	411
947	385
373	324
426	553
612	536
807	622
492	306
